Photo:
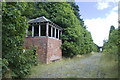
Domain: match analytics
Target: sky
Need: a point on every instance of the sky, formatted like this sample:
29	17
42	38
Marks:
98	17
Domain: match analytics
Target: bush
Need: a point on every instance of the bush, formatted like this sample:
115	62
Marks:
75	37
111	46
20	65
14	58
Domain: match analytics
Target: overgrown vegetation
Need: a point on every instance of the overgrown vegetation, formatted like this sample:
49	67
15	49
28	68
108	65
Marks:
76	39
95	65
109	65
111	46
16	60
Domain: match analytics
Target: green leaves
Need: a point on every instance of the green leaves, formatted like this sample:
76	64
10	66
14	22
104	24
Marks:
76	39
13	33
111	46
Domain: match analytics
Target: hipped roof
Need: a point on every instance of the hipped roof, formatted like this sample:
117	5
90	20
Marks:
43	19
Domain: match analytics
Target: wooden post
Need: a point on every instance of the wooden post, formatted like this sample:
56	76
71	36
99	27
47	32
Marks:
47	29
39	30
55	32
58	33
32	31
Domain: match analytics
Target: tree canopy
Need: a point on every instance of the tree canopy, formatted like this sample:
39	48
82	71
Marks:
75	39
111	45
13	31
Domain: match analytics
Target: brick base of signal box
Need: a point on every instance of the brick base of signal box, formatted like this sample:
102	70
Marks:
48	49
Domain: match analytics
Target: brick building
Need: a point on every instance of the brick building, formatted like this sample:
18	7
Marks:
46	36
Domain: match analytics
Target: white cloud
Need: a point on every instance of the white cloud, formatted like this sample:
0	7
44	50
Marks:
99	27
110	1
102	5
115	8
95	0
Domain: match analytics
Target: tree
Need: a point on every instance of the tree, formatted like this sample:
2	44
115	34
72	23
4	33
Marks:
76	12
111	29
111	46
67	16
13	33
75	38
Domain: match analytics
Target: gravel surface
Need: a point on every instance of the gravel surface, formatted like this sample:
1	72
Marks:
88	67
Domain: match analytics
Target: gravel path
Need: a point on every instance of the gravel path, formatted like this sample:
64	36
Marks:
88	67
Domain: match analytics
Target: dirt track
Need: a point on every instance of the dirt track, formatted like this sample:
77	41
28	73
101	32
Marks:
87	67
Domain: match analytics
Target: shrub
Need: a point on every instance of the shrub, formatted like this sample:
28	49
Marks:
17	61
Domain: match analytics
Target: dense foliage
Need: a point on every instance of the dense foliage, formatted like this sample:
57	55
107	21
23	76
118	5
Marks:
111	29
15	58
111	46
76	39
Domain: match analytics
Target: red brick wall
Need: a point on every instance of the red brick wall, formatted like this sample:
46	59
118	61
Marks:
53	50
41	44
48	49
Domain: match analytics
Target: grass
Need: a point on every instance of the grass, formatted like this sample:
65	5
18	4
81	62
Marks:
94	65
109	65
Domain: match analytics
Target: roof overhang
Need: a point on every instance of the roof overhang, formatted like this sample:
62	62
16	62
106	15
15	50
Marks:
43	20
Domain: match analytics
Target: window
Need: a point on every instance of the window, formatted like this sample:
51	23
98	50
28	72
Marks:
60	35
56	33
53	32
36	30
49	31
30	31
43	30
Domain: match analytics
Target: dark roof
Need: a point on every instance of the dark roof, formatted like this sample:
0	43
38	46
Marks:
39	19
42	19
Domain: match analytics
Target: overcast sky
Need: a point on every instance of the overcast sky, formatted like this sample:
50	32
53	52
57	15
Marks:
98	17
